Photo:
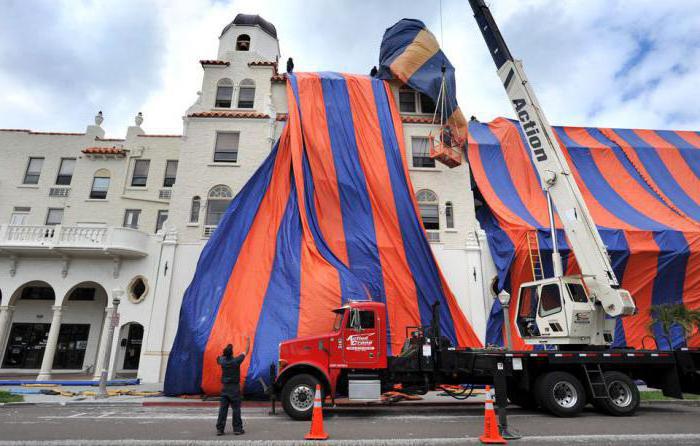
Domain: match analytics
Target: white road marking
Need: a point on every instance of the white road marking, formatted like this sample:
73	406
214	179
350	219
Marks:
77	415
177	417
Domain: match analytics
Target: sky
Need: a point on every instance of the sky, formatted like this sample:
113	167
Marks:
610	63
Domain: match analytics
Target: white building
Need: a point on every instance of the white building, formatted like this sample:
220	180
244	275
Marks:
84	218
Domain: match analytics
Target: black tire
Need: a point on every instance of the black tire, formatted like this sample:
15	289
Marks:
298	396
624	395
560	393
523	399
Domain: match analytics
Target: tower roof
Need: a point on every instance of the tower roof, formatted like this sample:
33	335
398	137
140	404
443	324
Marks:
252	20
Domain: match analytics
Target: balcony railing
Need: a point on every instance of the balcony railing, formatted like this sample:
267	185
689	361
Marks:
433	236
59	191
165	194
73	240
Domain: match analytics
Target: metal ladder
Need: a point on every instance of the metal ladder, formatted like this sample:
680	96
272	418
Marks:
533	247
596	381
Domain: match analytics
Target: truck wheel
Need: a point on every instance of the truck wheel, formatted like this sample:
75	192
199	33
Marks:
624	395
298	396
560	393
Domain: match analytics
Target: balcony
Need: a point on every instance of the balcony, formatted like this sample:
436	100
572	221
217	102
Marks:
69	241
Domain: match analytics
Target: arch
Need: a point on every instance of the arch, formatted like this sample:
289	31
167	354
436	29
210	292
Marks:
428	206
224	93
218	199
449	215
100	184
243	42
246	94
195	207
20	292
128	356
77	293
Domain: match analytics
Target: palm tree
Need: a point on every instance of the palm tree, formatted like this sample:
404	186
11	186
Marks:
666	316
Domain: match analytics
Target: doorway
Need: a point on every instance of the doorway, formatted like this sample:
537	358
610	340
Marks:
132	346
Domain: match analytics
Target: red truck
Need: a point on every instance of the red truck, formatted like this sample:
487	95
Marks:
351	360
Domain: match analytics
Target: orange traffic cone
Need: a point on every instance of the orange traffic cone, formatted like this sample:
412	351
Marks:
317	432
491	432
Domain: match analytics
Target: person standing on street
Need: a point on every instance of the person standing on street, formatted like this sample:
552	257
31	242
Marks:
231	388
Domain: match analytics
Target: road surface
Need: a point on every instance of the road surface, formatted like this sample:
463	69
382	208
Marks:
654	424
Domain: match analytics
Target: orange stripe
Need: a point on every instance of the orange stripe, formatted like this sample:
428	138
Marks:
401	296
638	279
320	156
691	137
320	282
691	285
463	330
627	187
416	54
245	290
674	162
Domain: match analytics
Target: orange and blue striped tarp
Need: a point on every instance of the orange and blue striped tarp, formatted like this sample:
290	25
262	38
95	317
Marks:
329	217
642	188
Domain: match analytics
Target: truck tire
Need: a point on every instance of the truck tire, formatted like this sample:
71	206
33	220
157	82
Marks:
560	393
624	395
298	396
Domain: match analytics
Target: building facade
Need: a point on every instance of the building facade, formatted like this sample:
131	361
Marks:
97	231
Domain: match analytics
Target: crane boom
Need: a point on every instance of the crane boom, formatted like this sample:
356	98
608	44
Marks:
555	174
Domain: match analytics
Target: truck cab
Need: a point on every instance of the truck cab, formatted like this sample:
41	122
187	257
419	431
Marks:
356	342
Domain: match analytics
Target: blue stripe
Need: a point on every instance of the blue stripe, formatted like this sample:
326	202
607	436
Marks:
660	174
690	153
417	249
616	242
603	192
201	301
496	169
670	276
279	315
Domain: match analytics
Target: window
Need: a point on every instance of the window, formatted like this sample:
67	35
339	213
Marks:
246	94
428	206
224	93
19	215
54	216
426	104
577	292
140	176
420	148
366	319
449	215
82	294
219	198
100	185
194	209
170	173
226	150
550	300
131	218
407	100
243	42
38	293
162	216
31	176
65	171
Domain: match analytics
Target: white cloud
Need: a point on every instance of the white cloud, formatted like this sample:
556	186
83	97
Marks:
573	53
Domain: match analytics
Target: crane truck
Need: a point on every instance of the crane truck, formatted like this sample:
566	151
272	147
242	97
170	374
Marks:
569	315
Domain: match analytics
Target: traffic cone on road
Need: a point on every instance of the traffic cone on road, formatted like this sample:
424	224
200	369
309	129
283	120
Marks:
491	431
317	432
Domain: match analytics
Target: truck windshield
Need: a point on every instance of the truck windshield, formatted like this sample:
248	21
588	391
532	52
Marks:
338	319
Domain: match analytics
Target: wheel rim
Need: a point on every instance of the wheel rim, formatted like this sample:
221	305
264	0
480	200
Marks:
565	394
620	393
302	397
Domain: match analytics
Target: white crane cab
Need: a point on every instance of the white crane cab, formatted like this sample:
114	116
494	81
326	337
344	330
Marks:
558	311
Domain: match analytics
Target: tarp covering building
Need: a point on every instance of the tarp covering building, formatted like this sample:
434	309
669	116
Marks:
642	188
330	216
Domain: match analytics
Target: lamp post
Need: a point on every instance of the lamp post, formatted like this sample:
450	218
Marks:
116	299
504	299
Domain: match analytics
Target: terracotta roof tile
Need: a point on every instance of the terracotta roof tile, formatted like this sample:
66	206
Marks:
160	136
418	120
104	151
279	78
281	117
31	132
262	63
229	114
214	62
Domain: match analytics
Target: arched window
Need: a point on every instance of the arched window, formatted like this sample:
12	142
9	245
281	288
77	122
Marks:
243	42
217	202
224	93
194	209
449	215
407	100
100	185
246	94
428	205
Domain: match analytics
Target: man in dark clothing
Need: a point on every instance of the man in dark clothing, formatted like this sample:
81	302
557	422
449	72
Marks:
231	389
